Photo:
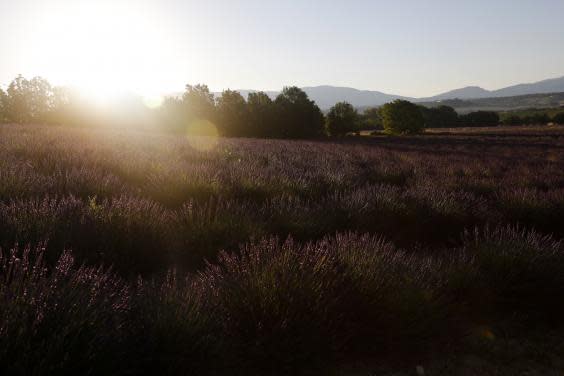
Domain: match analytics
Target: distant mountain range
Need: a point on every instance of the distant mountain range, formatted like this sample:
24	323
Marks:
554	85
327	96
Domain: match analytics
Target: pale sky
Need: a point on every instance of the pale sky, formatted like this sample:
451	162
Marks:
411	48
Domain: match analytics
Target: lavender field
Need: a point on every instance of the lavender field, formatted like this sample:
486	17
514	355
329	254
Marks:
130	252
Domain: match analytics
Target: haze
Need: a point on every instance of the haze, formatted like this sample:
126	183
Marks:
412	48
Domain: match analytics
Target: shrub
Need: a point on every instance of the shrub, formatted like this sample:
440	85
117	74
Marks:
519	272
402	117
67	320
172	333
278	304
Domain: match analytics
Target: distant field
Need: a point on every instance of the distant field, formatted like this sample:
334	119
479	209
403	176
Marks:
301	253
530	130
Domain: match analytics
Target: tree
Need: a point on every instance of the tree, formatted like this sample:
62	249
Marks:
199	102
558	118
260	114
371	119
3	99
173	114
537	119
402	117
296	115
232	114
439	117
480	119
512	120
341	119
28	100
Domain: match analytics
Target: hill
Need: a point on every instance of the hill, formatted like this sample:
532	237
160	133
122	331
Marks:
550	100
326	96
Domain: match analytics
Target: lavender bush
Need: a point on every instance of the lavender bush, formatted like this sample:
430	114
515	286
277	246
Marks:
248	257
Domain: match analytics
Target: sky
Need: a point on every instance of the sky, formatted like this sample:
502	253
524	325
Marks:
407	47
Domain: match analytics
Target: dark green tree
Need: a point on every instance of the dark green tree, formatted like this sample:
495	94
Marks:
261	114
480	119
232	114
512	120
537	119
402	117
558	118
341	119
371	119
439	117
296	115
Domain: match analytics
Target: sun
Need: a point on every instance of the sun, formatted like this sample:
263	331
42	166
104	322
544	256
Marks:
105	48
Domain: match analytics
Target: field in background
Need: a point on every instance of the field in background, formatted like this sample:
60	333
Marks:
521	130
332	250
524	130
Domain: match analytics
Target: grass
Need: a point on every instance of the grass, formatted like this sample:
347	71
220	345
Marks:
134	253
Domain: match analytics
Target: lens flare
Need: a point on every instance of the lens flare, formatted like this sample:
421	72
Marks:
202	135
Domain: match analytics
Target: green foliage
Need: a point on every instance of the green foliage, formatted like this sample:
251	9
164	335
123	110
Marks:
232	114
479	119
261	114
512	120
28	100
439	117
370	119
341	119
559	118
296	115
402	117
528	117
198	102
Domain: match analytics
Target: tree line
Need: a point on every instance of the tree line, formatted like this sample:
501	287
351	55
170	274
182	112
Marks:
290	115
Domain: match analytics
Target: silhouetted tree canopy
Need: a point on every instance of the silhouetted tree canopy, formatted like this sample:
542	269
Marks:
199	102
537	119
28	100
341	119
232	114
439	117
402	117
261	114
479	119
296	115
512	120
558	118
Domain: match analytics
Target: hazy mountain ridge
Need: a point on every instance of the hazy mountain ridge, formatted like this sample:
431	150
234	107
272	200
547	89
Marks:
553	85
326	96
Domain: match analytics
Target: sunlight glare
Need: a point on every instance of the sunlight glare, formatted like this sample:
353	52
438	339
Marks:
105	48
202	135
